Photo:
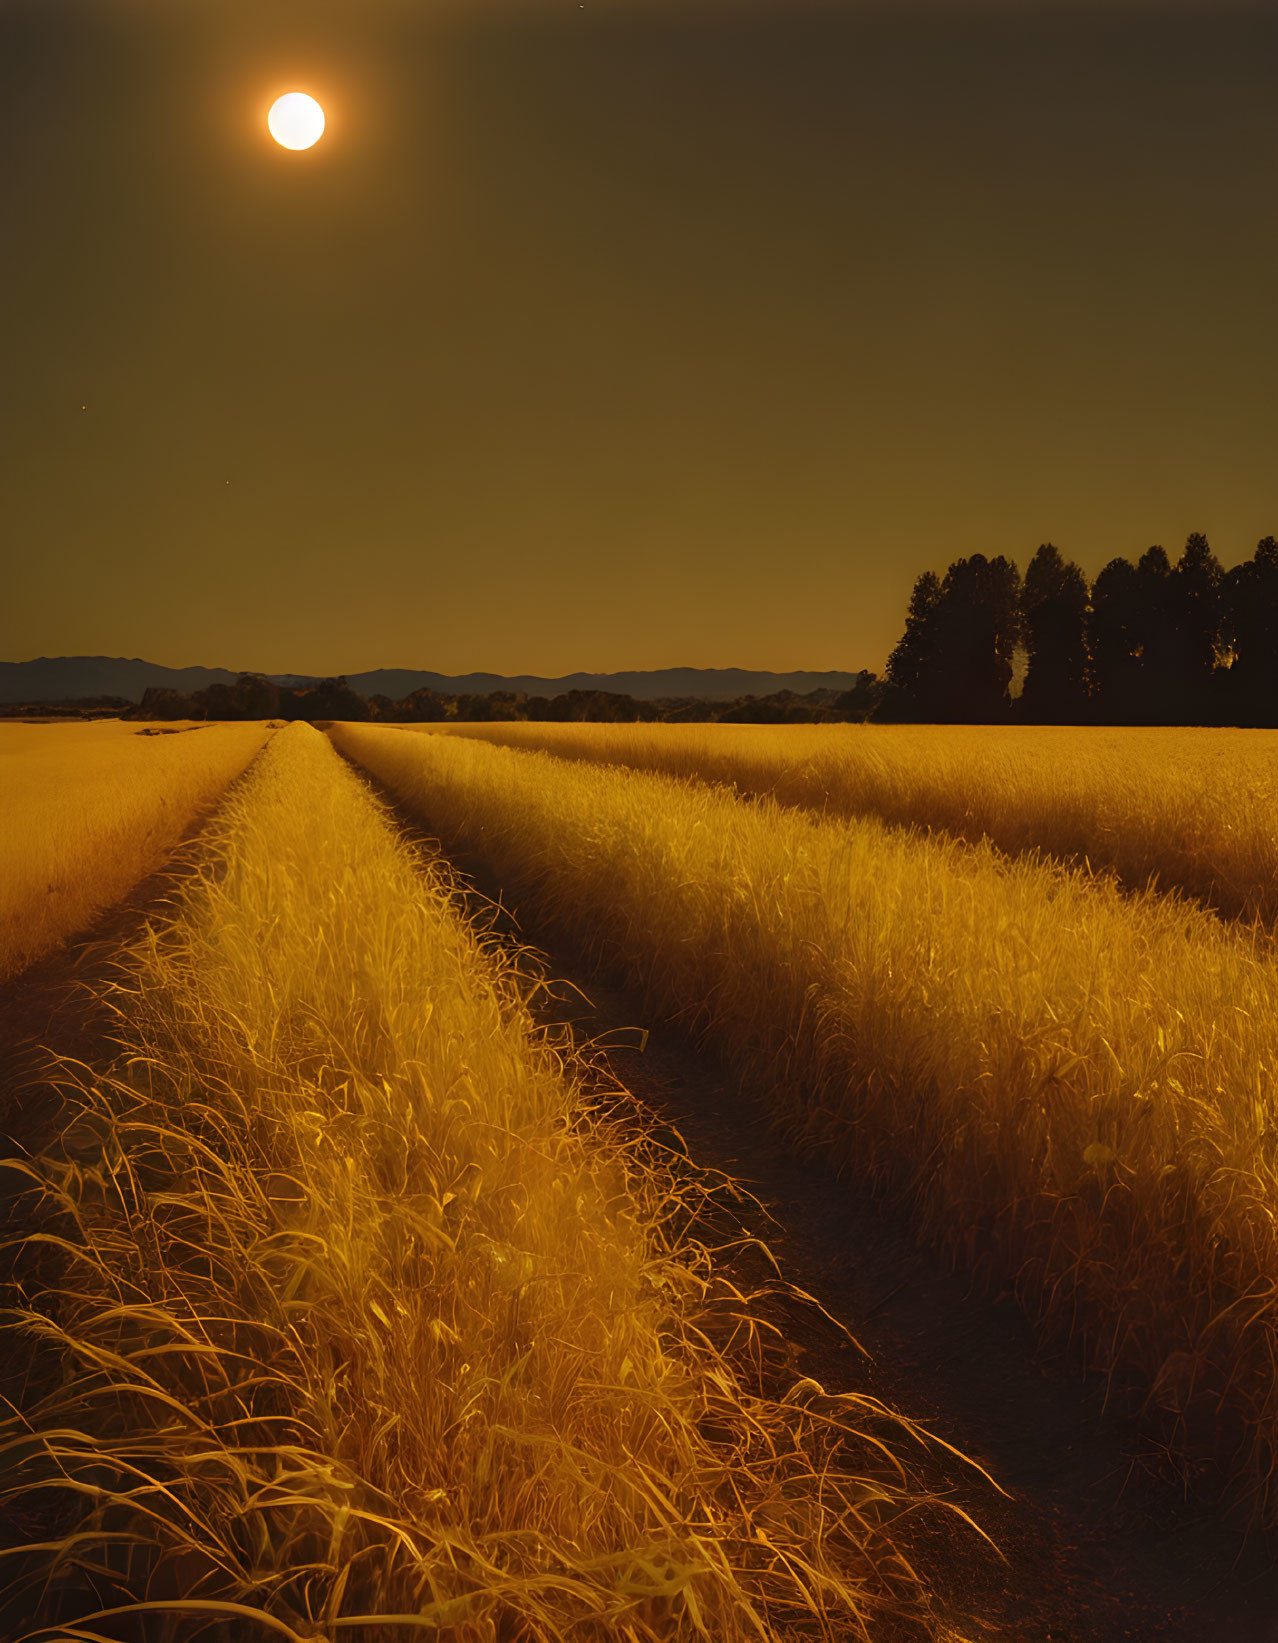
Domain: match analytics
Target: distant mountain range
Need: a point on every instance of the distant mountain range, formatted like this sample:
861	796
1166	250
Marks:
70	678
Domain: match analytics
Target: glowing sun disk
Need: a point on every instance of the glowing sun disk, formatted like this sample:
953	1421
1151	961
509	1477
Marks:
296	120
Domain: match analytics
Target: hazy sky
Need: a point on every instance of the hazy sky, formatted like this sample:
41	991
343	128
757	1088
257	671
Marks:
617	335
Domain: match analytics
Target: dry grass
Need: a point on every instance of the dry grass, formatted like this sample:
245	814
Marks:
356	1321
1195	810
1074	1088
87	810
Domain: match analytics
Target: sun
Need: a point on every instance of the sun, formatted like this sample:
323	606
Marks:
296	120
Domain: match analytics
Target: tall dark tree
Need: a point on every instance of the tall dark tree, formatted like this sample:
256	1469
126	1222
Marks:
1249	629
1158	672
1134	639
913	680
953	663
1196	620
1115	640
1054	632
978	626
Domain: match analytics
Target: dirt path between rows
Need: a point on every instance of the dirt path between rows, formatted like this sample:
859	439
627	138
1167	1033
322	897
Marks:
1098	1546
58	1008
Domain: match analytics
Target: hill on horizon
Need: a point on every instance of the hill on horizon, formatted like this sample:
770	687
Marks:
70	678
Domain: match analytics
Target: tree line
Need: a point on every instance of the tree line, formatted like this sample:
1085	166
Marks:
1146	643
254	697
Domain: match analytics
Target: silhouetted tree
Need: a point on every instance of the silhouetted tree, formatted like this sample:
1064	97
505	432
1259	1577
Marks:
912	678
255	697
218	701
1054	632
1249	628
953	663
864	696
597	707
1195	620
1158	655
977	626
494	704
1134	637
250	697
334	699
293	703
424	706
1115	640
158	702
753	710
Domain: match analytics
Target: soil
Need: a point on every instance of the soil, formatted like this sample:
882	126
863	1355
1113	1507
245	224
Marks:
57	1008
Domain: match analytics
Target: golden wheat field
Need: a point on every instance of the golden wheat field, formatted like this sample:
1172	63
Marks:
86	810
1194	810
350	1315
341	1308
1072	1086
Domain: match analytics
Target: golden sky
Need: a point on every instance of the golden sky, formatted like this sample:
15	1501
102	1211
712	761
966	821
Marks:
612	335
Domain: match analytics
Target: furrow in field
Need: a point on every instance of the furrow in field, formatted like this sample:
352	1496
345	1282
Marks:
1193	810
1073	1088
88	810
1099	1547
348	1305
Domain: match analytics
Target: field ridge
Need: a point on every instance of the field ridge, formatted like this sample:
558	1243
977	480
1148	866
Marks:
1191	812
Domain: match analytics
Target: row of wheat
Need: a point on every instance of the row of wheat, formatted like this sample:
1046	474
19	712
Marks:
1073	1087
1193	810
86	810
348	1316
